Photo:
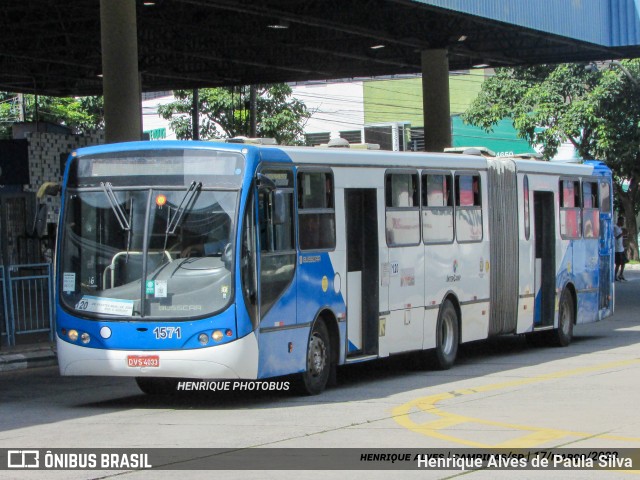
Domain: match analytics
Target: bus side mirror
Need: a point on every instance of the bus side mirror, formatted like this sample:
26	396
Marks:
279	208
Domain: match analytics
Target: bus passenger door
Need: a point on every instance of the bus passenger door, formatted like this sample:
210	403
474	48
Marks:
276	276
545	259
605	249
362	271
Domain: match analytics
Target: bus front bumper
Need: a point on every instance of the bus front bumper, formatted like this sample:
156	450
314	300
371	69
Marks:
238	359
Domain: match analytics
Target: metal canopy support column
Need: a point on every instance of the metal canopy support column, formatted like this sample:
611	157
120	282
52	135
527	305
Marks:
121	83
435	100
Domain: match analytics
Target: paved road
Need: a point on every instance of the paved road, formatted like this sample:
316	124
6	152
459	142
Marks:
500	393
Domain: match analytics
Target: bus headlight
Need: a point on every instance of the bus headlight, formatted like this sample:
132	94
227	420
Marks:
85	338
217	335
203	338
105	332
73	335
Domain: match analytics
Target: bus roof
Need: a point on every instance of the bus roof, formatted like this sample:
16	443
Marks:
358	157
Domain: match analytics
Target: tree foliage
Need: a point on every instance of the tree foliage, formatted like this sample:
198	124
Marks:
80	114
595	109
224	113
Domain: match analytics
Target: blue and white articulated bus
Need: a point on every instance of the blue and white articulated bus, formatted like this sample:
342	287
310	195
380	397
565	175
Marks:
233	261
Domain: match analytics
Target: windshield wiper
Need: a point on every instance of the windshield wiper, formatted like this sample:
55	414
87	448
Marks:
188	197
115	206
172	223
126	260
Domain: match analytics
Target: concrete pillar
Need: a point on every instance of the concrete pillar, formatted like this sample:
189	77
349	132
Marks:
120	78
435	100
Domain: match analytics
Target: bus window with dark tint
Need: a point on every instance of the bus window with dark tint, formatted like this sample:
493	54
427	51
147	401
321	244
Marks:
570	218
468	208
590	210
248	263
605	197
277	245
403	209
437	208
316	212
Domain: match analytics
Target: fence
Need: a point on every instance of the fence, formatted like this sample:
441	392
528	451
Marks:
27	301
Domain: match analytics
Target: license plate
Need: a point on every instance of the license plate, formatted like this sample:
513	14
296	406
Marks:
143	360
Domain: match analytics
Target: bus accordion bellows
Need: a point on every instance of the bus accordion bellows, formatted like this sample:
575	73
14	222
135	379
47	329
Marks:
232	261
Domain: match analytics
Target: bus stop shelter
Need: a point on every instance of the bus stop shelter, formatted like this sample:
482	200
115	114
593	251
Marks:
119	48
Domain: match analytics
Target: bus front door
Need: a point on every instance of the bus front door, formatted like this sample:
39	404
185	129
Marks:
545	272
362	271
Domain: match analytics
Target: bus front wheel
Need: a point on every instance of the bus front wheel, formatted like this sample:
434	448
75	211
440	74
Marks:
314	378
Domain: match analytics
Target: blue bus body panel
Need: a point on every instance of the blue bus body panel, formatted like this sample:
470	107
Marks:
284	330
140	334
593	258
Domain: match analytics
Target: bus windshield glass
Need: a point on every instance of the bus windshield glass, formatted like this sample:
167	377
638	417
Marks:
161	249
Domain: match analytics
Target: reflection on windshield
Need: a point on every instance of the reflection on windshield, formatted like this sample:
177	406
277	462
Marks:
178	241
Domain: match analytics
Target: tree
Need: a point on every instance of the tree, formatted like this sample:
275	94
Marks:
80	114
596	110
619	139
224	112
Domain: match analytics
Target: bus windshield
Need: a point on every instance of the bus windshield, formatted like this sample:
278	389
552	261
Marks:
158	252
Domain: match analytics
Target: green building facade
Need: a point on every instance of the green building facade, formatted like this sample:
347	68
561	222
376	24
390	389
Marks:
400	101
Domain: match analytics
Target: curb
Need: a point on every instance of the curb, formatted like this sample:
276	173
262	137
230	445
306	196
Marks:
18	361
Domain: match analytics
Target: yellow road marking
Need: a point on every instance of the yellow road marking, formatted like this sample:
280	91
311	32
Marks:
536	436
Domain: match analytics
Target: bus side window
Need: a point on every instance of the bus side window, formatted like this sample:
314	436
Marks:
437	208
277	240
316	212
468	208
402	216
590	210
605	197
248	262
570	218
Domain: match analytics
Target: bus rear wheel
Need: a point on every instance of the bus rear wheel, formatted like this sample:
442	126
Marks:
447	337
314	378
563	335
157	386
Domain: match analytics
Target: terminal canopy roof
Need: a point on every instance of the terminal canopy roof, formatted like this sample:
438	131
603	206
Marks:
53	46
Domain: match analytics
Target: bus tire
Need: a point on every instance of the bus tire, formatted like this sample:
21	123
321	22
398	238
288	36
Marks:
318	361
447	337
157	386
562	335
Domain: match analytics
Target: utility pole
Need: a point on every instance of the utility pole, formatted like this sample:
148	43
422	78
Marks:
195	115
21	108
253	121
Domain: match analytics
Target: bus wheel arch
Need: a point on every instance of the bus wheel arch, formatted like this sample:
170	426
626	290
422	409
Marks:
567	308
157	385
320	356
334	338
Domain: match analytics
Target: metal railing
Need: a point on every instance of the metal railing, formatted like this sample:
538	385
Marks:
27	297
5	323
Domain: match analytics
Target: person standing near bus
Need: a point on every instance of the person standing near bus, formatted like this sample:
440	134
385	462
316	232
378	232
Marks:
619	233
